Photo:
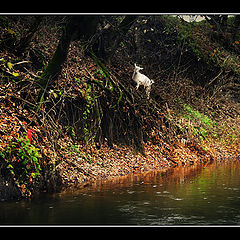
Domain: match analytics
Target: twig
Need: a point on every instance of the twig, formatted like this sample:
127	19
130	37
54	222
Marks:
13	64
215	78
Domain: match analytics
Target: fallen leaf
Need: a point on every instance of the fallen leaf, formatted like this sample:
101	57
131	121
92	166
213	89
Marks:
9	65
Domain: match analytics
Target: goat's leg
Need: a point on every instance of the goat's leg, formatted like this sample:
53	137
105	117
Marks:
148	89
137	86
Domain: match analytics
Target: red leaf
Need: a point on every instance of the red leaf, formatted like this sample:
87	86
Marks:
29	135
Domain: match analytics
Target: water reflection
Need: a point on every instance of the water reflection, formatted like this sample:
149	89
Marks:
180	196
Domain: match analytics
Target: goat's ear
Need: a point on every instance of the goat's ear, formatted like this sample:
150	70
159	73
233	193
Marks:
135	65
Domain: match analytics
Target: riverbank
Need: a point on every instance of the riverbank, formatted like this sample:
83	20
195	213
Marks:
80	165
119	161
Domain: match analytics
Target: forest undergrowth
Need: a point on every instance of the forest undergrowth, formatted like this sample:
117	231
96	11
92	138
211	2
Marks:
91	123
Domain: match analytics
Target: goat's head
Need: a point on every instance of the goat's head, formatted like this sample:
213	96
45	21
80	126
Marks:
137	69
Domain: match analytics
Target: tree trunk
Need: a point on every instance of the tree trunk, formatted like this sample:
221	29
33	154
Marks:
55	65
77	27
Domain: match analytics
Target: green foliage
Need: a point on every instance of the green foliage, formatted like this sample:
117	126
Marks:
90	100
193	114
100	74
22	160
55	93
201	125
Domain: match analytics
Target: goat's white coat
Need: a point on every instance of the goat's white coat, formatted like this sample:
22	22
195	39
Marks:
141	79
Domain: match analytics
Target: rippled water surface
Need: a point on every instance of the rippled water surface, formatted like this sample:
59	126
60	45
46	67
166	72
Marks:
182	196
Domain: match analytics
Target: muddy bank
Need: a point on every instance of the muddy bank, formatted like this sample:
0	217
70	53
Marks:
169	174
90	166
110	163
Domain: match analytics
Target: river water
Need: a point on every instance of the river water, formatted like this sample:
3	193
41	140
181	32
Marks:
207	195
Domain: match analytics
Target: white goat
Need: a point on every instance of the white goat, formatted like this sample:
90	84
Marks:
141	79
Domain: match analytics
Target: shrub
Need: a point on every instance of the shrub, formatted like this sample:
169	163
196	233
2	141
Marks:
22	159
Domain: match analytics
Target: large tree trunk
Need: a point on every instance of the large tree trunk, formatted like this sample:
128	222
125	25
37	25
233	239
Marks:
77	27
55	65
